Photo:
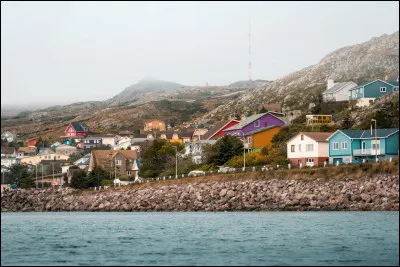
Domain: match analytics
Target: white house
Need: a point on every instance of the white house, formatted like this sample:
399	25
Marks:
123	143
195	149
308	148
8	162
337	91
109	139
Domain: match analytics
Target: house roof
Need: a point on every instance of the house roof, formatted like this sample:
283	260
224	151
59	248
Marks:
361	134
92	138
64	146
77	126
27	149
7	150
45	150
249	120
216	128
262	130
339	86
318	136
84	125
187	132
103	157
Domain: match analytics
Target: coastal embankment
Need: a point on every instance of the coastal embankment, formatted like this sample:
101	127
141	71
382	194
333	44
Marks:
234	192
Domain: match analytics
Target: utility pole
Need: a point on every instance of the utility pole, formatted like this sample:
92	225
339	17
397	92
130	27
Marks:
36	176
244	152
176	161
42	175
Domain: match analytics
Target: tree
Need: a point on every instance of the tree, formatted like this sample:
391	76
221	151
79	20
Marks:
96	176
227	147
78	178
263	110
157	157
20	176
42	143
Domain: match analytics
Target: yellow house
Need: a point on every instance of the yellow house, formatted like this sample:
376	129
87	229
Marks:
151	125
38	158
261	137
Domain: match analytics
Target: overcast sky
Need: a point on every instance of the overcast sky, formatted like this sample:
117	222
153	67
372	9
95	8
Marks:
64	52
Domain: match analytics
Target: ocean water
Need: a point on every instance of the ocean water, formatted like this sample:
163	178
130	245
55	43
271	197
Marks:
226	238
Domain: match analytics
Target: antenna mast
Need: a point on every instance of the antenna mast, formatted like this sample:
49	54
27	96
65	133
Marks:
250	81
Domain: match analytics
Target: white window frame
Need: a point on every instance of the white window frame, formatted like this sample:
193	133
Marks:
118	162
344	145
395	89
375	144
257	123
308	147
292	148
335	146
362	90
129	172
301	137
310	160
249	139
382	89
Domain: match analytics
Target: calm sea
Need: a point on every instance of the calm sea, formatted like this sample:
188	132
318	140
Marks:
240	238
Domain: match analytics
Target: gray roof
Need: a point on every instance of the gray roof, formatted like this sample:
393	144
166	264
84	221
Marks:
214	129
262	129
380	133
338	86
246	121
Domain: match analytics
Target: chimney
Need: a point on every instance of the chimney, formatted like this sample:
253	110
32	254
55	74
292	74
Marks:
330	84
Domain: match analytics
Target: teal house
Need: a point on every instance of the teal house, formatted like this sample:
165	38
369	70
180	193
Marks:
354	146
366	93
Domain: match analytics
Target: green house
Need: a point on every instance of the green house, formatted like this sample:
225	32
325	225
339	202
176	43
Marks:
369	91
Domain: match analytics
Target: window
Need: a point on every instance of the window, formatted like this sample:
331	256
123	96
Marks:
344	145
395	89
310	160
361	90
383	89
299	147
129	172
248	140
375	144
118	162
310	147
292	148
335	146
302	137
257	123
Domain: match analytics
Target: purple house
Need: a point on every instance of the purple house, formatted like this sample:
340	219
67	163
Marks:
255	122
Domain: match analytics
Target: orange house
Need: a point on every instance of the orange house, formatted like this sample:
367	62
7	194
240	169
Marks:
151	125
261	137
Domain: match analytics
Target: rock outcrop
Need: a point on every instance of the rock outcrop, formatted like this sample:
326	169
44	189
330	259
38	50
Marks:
378	193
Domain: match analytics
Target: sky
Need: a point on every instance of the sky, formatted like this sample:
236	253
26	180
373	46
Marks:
64	52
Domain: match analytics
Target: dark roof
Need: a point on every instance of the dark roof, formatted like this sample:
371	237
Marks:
77	126
214	129
8	150
363	84
84	125
187	132
262	130
367	133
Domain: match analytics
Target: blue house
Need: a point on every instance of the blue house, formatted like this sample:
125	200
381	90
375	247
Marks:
367	92
354	146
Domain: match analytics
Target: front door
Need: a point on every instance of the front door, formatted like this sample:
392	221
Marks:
363	147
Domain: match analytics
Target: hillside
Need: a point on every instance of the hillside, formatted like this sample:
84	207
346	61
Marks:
377	58
144	86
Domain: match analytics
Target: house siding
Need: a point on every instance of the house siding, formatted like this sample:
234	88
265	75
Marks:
392	144
262	139
340	138
266	120
221	132
371	90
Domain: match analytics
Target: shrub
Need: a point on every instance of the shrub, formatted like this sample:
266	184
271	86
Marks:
106	182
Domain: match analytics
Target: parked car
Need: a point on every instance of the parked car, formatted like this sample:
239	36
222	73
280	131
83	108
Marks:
226	169
196	173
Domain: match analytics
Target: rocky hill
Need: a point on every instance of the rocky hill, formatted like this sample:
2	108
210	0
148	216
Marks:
143	87
377	58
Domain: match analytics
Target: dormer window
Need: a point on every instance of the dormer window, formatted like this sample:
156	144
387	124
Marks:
383	89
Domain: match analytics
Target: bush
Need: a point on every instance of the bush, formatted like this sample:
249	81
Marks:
106	182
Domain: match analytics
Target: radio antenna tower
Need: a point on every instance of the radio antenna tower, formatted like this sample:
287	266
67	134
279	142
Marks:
250	81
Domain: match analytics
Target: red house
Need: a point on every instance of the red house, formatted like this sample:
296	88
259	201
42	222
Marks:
218	129
76	129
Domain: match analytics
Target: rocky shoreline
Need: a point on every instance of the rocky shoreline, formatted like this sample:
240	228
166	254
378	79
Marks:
379	193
